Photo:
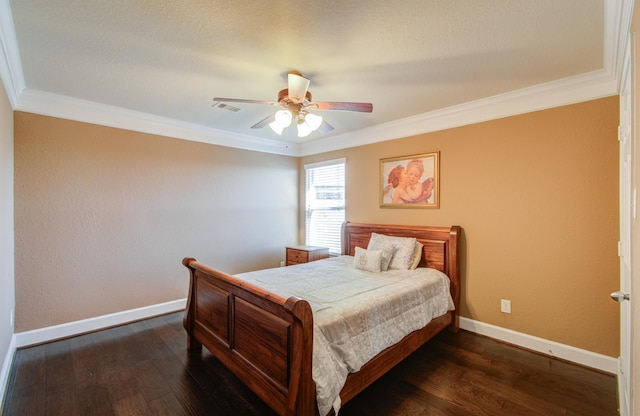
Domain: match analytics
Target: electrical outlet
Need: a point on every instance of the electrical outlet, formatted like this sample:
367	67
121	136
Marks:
505	306
11	318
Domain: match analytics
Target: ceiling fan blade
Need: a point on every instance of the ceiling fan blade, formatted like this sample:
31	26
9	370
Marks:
298	86
325	127
344	106
241	100
265	121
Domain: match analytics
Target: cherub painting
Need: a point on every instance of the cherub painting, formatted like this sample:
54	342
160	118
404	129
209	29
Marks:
410	182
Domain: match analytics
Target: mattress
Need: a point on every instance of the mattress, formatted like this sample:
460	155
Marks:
356	313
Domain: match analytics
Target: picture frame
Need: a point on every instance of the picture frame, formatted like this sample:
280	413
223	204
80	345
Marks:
410	181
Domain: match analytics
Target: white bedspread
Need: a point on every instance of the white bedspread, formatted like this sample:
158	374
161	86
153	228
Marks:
356	314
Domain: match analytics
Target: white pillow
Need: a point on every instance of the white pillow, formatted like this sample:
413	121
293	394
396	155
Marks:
417	255
403	249
376	242
368	260
387	253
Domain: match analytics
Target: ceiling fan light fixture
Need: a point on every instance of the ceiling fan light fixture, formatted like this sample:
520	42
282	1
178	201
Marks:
313	121
277	128
282	121
308	124
303	129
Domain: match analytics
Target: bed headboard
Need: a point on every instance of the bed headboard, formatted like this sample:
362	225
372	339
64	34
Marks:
440	249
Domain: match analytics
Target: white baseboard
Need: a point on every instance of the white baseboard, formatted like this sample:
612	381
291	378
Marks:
38	336
51	333
6	370
543	346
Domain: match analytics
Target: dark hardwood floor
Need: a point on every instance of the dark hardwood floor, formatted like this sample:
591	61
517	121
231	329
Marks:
143	369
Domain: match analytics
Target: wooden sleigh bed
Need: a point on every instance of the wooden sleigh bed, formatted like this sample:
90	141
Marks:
267	340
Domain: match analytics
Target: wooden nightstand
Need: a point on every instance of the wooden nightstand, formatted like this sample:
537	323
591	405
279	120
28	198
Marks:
305	254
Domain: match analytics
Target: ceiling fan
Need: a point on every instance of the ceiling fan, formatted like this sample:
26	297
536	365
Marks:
296	103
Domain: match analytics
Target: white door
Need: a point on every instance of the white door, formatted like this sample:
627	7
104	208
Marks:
627	217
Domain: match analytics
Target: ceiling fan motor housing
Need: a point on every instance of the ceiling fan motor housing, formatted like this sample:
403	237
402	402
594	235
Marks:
294	107
283	95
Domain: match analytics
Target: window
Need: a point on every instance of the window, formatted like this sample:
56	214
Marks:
325	204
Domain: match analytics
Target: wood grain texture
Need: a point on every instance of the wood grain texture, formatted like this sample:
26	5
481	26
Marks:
144	368
260	325
305	254
268	341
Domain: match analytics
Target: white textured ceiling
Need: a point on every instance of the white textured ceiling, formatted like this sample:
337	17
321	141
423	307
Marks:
164	60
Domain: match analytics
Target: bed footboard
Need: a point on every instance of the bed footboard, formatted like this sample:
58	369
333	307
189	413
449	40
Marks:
264	339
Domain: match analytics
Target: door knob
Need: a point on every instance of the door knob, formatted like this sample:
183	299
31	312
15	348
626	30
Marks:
619	296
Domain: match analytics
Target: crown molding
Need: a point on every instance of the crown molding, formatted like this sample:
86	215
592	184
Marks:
618	15
593	85
590	86
10	64
54	105
571	90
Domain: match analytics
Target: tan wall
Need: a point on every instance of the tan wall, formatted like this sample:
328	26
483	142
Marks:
537	198
104	216
102	219
7	298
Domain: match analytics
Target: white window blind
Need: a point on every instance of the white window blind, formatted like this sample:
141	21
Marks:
325	204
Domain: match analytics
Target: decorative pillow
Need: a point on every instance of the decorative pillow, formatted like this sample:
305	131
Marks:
368	260
376	242
417	255
403	249
387	253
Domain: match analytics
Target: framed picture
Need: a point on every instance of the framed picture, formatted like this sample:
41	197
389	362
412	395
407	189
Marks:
410	181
